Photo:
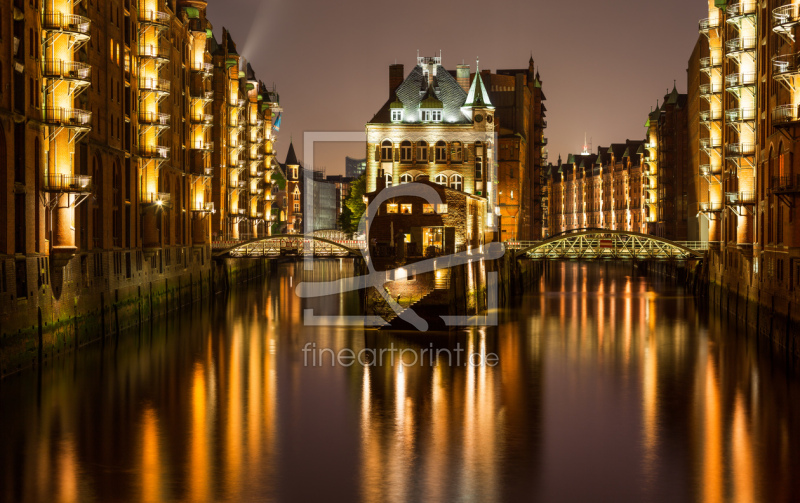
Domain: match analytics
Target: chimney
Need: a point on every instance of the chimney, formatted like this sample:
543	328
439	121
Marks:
396	77
462	76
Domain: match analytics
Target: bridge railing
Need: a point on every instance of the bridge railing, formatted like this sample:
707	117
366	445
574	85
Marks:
692	245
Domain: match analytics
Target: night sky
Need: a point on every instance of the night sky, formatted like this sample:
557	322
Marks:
603	64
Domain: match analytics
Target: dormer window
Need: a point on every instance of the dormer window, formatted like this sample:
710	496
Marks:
397	115
431	116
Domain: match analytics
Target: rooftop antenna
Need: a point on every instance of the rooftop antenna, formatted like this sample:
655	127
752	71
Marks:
477	64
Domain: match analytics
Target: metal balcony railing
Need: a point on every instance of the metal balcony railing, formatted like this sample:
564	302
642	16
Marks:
711	207
202	67
786	184
785	16
713	61
77	26
156	198
154	17
710	115
202	118
709	143
67	70
740	149
710	89
740	198
68	117
736	115
203	145
154	118
154	152
737	45
745	8
735	80
784	115
67	184
154	51
786	64
203	95
709	24
154	84
201	207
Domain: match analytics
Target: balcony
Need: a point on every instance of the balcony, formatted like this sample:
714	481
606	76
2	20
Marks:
158	52
67	70
785	116
710	143
710	89
67	184
203	95
741	9
708	24
784	19
785	184
737	80
202	208
156	152
203	145
739	115
710	62
710	115
737	46
202	118
154	118
740	149
740	198
160	199
154	18
202	67
711	207
785	65
77	27
154	85
68	117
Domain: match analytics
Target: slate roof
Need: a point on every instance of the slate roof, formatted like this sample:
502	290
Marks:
291	157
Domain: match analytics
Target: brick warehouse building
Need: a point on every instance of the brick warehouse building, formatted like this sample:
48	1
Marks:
747	150
112	146
446	126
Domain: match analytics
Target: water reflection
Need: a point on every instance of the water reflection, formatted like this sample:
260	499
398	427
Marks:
609	386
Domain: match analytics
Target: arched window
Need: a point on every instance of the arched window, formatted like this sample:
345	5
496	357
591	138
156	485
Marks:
441	179
406	178
478	169
456	182
386	151
388	180
441	151
405	151
458	152
422	151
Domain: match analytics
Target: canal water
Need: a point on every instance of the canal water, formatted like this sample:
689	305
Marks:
598	386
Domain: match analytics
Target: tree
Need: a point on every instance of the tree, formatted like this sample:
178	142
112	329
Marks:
346	220
355	202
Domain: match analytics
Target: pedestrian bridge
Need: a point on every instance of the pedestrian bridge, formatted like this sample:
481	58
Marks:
603	244
289	245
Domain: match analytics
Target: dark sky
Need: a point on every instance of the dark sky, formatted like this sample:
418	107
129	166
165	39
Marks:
603	63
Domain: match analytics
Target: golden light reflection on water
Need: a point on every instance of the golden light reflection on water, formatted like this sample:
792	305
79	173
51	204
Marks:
192	412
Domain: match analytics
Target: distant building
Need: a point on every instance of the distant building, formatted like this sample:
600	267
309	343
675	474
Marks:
324	215
354	168
293	200
342	184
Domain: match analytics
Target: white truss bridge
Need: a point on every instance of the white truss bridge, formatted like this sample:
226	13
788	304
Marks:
287	245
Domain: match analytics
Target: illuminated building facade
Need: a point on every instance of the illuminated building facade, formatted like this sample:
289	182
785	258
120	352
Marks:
116	163
437	127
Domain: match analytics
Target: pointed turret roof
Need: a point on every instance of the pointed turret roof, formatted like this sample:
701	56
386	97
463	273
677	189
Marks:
291	157
477	96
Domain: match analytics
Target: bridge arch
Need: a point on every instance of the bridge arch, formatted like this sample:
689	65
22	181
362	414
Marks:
608	244
282	244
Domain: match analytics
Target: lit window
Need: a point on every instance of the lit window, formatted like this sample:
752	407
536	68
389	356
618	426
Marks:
422	151
405	209
391	208
512	194
456	182
297	207
397	115
458	152
427	209
386	151
441	208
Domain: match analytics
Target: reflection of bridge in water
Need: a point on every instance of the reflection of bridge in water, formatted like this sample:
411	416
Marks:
604	244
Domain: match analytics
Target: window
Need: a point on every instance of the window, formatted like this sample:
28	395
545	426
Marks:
406	178
425	116
512	194
296	194
441	208
297	207
458	152
456	182
405	151
422	151
405	209
386	151
427	209
397	115
437	116
391	208
441	151
388	179
479	168
440	179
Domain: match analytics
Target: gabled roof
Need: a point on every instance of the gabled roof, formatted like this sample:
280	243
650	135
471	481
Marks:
477	96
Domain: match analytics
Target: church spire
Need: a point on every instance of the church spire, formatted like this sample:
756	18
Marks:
477	96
